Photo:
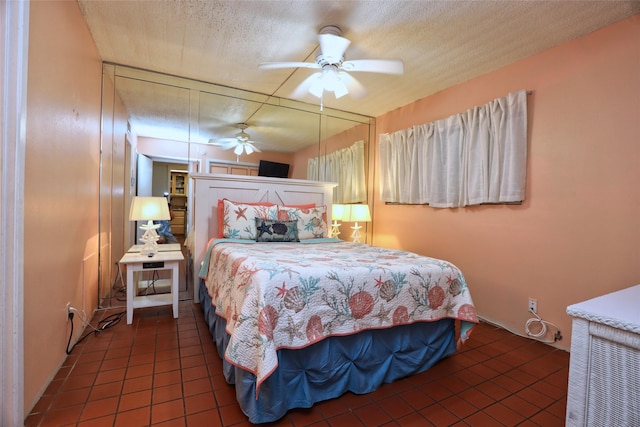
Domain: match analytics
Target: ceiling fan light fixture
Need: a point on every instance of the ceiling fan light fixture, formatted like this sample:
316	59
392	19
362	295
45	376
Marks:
333	75
317	87
242	136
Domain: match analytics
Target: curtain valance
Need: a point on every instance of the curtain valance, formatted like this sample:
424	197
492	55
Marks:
475	157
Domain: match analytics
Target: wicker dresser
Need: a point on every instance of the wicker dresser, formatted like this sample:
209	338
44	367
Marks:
604	373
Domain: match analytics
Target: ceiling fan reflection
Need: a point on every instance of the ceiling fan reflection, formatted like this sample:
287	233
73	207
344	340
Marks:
241	143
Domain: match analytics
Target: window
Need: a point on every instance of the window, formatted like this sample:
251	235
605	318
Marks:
475	157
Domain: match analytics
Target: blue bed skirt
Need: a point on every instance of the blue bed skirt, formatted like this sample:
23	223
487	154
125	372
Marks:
325	370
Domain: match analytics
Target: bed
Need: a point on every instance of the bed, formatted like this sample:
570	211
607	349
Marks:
305	320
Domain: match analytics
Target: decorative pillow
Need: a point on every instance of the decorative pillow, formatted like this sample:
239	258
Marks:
239	219
270	230
312	222
221	212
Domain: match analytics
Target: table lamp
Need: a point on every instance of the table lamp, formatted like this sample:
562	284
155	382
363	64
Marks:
337	214
149	209
356	213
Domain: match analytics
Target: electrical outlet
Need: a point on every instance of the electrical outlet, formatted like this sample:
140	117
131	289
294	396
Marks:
69	307
533	305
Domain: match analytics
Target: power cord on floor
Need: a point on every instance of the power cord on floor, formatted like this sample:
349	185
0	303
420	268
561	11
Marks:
107	322
542	328
118	284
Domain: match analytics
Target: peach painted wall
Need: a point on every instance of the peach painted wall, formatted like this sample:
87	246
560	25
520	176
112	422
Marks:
576	235
61	186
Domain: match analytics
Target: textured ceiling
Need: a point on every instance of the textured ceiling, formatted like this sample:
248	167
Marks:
442	43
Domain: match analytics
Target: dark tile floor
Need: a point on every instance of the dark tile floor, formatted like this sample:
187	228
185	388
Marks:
161	371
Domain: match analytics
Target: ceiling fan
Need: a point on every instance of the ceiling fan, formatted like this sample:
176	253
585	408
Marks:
240	143
334	69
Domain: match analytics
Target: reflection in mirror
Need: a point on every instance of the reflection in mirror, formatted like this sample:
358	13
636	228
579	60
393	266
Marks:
175	122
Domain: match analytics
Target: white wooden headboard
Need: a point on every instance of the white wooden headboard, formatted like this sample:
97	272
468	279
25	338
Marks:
209	188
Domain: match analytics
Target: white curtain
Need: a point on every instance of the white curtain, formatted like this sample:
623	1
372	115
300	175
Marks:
346	167
475	157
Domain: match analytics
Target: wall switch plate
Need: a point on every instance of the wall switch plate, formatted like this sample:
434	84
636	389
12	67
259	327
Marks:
533	305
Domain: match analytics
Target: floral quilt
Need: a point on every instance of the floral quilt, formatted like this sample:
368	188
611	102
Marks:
291	295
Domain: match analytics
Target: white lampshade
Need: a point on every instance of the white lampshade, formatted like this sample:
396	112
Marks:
149	209
357	213
337	212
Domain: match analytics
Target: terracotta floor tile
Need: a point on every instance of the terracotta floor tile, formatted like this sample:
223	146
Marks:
106	421
458	406
194	350
99	408
548	420
137	384
504	414
86	368
202	385
191	361
135	418
176	422
305	417
417	399
195	372
167	378
167	365
139	370
71	398
395	407
225	395
439	415
78	381
115	363
344	420
162	371
166	393
204	419
63	416
231	414
134	400
520	406
167	410
113	375
200	402
170	354
414	420
372	415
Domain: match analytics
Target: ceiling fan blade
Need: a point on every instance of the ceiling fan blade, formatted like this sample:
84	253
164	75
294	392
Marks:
333	47
355	88
305	86
223	140
225	143
387	66
250	148
273	65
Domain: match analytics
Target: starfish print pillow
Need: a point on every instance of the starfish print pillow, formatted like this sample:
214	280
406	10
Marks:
240	219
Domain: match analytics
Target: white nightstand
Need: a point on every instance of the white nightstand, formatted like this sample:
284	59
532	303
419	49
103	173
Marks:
163	260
